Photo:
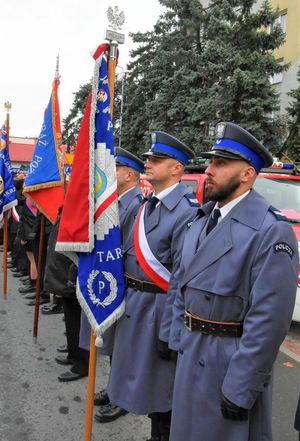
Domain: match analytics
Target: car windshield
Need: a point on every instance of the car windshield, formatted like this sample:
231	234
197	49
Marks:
283	194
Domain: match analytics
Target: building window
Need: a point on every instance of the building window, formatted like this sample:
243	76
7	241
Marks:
277	77
281	20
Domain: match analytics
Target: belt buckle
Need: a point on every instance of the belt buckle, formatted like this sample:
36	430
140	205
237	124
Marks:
188	321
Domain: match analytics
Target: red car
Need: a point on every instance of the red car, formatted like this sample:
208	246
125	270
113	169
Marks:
279	184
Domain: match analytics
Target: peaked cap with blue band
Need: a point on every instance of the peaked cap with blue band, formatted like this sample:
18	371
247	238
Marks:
123	157
167	146
234	142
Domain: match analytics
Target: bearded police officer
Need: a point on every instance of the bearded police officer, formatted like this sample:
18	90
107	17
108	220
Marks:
238	282
142	369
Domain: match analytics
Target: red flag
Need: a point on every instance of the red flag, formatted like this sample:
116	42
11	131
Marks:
75	231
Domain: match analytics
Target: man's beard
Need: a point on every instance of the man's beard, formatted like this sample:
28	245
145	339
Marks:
222	193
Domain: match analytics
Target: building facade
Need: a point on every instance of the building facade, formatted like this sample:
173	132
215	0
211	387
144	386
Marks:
289	52
20	152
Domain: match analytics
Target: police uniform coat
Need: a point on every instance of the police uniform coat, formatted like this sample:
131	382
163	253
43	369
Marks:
129	205
140	381
245	270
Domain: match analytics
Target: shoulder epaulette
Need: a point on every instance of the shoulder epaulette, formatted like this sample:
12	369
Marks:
193	201
278	214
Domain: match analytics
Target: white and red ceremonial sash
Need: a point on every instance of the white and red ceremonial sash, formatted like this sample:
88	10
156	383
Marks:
155	270
15	215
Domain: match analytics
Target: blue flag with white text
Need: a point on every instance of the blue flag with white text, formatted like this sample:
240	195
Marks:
45	170
44	182
8	196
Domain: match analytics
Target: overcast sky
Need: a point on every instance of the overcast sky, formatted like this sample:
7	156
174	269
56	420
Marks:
33	32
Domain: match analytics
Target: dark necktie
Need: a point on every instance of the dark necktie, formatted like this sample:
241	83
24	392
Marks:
151	205
213	220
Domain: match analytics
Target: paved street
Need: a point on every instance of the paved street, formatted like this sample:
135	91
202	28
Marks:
34	406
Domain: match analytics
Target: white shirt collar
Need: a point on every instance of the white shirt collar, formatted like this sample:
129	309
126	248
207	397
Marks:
229	206
165	192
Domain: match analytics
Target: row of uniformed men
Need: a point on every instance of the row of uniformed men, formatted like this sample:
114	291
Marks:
210	294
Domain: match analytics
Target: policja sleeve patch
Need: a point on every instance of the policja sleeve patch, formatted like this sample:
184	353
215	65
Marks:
283	247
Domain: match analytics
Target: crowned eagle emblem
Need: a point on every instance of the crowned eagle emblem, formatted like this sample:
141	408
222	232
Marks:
115	18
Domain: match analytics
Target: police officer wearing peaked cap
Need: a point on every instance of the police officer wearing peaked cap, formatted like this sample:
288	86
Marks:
144	385
128	159
234	142
235	300
167	146
130	198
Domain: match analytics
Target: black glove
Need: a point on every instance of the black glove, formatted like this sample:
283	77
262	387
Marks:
163	350
231	411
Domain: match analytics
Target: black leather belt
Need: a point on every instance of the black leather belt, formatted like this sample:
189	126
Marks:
220	329
141	285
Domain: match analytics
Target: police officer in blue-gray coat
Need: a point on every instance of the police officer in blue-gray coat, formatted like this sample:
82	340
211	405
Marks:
130	197
142	370
238	280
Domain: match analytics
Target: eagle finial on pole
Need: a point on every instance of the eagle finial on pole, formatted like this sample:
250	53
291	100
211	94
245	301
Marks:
57	67
116	19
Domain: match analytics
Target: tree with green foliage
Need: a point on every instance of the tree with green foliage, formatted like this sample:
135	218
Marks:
198	66
203	65
71	124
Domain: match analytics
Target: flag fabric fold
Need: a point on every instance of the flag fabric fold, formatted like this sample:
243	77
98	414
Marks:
89	229
8	196
44	182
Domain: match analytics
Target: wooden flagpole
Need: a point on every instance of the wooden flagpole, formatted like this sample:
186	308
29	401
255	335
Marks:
7	106
5	241
39	278
41	242
93	350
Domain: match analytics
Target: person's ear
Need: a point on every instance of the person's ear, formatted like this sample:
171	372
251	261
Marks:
248	174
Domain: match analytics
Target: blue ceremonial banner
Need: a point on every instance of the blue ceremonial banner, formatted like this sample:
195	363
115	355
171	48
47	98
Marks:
8	197
44	182
100	273
45	170
100	284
